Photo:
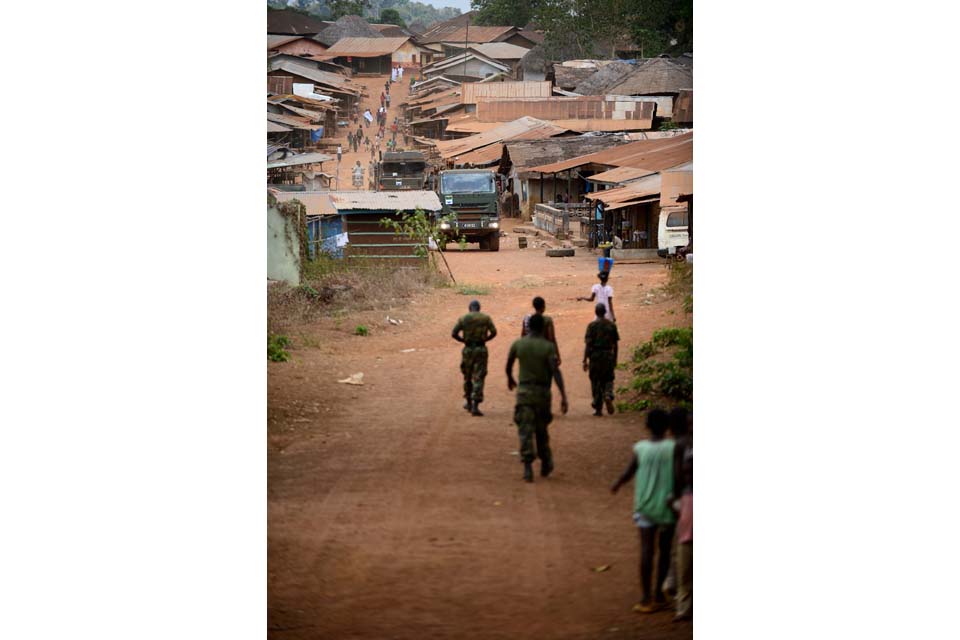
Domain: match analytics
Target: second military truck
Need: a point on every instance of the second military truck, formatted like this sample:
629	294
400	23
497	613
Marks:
400	171
469	199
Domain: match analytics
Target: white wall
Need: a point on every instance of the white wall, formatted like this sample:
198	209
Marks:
283	249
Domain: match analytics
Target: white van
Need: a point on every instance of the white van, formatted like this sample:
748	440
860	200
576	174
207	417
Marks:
672	234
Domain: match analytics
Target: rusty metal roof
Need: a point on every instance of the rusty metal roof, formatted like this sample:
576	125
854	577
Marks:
317	202
293	121
470	91
459	33
520	129
345	201
278	41
311	72
620	174
300	159
483	156
273	127
654	155
366	47
642	188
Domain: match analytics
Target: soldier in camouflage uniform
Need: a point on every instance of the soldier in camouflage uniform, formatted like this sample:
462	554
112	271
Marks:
538	369
477	329
600	358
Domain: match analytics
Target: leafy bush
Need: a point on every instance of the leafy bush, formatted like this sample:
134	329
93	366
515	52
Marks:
662	371
276	348
361	330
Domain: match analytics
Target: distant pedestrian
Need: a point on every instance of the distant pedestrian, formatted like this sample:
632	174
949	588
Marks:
532	412
651	468
600	359
339	153
602	293
477	329
388	100
350	140
383	99
539	306
400	73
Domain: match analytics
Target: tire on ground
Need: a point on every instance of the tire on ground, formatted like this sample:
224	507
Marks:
560	253
494	242
484	244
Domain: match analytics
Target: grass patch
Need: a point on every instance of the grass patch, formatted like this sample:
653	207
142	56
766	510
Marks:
277	348
680	285
662	371
361	330
338	288
473	290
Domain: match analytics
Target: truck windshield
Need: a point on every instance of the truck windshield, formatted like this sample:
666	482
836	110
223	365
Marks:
468	183
403	169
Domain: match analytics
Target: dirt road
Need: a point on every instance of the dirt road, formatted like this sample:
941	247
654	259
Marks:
395	514
374	86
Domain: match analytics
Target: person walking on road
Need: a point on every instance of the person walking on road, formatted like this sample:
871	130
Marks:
339	153
350	140
602	293
600	359
532	412
477	329
651	468
539	306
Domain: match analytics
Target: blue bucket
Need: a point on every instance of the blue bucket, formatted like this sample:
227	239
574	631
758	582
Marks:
604	264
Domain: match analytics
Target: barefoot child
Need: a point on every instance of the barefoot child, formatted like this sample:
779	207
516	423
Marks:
651	468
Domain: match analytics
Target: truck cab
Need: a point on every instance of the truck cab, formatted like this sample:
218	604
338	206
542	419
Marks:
400	171
470	199
673	232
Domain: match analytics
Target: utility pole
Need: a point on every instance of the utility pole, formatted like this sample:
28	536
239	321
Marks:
466	38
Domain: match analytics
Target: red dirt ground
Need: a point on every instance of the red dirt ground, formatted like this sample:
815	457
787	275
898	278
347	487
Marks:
395	514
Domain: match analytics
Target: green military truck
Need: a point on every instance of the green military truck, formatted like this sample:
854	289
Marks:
469	198
400	171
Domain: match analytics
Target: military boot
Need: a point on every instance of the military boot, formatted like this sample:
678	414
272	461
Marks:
528	472
468	405
546	467
475	409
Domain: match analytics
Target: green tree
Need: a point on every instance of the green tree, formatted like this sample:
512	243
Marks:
505	12
662	26
391	16
340	8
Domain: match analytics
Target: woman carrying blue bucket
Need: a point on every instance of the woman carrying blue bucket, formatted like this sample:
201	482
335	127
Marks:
602	292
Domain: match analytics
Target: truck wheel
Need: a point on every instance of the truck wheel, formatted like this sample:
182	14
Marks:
494	242
484	244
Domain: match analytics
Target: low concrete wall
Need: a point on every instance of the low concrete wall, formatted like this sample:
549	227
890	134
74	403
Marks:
283	248
633	254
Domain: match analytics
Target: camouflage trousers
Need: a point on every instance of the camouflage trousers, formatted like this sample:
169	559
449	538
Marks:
601	378
532	416
473	366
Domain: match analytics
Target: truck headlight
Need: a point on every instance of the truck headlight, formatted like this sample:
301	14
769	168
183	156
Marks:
444	225
494	225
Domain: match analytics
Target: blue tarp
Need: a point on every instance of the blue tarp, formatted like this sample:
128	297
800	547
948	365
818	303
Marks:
316	135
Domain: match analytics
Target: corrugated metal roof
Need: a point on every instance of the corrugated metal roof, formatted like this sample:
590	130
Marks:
495	50
620	108
655	76
450	64
366	47
620	174
273	127
306	70
473	90
654	155
345	201
520	129
317	202
483	156
299	159
293	121
525	154
458	33
642	188
278	41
